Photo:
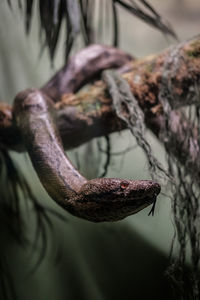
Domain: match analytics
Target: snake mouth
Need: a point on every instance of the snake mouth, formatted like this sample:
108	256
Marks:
118	203
123	209
114	210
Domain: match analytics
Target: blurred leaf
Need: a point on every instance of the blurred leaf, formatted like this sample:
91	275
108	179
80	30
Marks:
82	16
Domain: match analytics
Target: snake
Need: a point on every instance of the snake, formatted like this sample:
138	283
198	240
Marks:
96	200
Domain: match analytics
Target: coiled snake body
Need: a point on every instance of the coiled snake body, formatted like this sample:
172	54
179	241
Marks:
101	199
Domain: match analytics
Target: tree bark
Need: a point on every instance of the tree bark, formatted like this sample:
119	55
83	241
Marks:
173	75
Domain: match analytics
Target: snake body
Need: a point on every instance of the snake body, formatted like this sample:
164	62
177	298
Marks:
100	199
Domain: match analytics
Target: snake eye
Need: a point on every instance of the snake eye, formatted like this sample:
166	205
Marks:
124	185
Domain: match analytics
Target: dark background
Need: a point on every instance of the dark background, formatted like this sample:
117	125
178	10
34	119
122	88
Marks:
124	260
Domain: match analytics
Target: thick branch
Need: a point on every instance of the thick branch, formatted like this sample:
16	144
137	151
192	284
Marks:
174	74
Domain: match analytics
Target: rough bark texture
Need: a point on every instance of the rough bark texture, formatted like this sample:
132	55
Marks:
173	74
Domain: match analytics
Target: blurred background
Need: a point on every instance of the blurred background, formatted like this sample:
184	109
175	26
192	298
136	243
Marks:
123	260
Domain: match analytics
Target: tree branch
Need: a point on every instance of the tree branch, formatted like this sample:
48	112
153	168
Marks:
174	75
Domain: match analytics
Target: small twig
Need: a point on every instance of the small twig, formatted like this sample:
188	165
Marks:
108	157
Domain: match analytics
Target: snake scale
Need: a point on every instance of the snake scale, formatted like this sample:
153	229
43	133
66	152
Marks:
96	200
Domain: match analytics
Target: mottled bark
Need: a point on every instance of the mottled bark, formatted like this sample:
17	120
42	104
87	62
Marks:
172	75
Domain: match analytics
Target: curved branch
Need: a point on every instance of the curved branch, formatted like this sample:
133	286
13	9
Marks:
173	74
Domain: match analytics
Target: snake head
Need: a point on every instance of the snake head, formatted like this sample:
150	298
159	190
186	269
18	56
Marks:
112	199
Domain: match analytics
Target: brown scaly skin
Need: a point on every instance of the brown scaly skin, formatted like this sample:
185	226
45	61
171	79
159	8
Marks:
84	67
113	199
97	200
81	68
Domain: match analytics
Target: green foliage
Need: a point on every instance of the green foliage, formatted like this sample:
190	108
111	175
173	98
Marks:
79	18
